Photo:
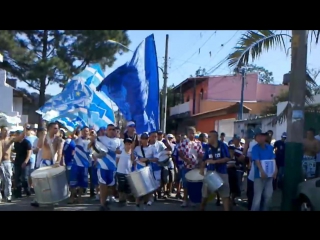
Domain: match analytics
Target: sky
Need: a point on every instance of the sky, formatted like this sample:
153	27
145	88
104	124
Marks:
190	49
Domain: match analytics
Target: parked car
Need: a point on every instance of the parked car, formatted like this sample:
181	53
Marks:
308	195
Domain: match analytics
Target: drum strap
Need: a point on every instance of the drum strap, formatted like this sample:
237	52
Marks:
144	156
147	162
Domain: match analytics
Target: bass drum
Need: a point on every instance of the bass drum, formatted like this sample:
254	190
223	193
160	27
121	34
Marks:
50	184
142	182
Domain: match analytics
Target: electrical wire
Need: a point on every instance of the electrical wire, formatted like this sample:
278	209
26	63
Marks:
194	52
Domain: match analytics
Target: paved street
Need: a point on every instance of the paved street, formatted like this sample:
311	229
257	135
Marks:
92	205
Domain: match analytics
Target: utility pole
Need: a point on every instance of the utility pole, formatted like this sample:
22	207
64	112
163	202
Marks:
295	119
243	78
164	89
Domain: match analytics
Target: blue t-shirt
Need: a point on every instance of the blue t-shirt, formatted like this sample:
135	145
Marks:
31	139
213	153
261	154
68	148
281	148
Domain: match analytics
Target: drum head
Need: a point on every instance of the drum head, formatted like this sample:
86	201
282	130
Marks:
100	147
47	172
194	176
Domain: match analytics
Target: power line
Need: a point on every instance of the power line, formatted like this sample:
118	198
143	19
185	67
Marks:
195	52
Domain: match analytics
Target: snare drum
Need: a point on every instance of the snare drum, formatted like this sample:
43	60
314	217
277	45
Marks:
100	150
195	182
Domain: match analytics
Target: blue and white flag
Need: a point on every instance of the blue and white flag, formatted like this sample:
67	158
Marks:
134	87
80	99
71	124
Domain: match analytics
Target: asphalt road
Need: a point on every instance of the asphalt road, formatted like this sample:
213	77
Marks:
93	205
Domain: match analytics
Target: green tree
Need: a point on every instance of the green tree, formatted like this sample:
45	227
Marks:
253	43
265	76
43	57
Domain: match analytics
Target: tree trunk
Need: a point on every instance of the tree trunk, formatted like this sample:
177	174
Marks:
295	119
42	92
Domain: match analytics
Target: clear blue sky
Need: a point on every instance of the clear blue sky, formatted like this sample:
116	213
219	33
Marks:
185	58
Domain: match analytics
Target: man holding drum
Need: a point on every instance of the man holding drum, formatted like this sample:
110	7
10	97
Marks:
51	146
107	165
216	156
144	155
190	150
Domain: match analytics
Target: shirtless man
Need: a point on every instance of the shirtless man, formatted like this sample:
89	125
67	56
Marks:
48	153
5	163
311	147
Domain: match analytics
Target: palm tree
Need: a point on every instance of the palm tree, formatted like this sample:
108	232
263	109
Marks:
254	43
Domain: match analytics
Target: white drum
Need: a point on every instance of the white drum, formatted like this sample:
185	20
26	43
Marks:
50	184
194	176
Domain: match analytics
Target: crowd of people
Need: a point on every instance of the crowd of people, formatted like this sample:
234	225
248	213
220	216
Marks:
105	175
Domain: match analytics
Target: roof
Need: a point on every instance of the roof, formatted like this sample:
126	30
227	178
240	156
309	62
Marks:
188	83
18	93
231	108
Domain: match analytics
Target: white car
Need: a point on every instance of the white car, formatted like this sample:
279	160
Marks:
308	195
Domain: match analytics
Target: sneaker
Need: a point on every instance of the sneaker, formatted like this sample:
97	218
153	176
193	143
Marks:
149	203
97	197
9	199
34	204
184	204
112	199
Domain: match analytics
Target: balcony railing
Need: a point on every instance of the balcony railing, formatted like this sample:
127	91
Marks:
181	108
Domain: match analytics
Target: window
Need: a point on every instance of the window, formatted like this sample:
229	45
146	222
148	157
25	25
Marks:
201	94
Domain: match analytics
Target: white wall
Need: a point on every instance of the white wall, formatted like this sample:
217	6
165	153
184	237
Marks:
6	94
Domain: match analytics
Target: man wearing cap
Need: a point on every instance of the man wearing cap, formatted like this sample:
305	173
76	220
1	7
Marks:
130	132
264	170
145	155
5	163
279	150
240	161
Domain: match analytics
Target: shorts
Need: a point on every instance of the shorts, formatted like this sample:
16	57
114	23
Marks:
29	170
183	172
46	163
123	184
167	175
78	177
106	177
224	190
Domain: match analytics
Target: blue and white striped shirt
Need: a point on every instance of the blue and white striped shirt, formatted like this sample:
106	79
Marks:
82	154
109	161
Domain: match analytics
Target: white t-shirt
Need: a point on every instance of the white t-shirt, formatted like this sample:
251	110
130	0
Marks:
318	154
124	164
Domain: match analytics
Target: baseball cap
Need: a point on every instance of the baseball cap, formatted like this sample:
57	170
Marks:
144	135
284	135
128	140
235	136
170	136
259	131
131	124
242	141
159	132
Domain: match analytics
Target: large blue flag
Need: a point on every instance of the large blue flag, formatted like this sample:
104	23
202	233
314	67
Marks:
71	124
80	99
134	87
